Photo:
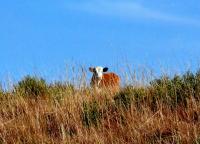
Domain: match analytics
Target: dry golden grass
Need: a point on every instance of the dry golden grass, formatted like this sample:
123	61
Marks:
69	115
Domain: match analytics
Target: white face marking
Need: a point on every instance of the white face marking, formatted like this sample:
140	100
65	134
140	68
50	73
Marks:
98	72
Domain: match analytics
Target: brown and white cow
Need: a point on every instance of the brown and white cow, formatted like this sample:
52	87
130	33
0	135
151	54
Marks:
101	79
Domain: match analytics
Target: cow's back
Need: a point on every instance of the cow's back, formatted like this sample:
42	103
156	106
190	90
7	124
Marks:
110	80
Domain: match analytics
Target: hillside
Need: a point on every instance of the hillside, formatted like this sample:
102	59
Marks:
165	110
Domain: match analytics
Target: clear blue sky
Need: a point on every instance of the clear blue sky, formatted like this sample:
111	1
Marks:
42	36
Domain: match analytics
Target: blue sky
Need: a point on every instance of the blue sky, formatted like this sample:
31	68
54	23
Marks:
44	37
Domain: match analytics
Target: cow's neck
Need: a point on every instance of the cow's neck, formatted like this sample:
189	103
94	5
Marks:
96	81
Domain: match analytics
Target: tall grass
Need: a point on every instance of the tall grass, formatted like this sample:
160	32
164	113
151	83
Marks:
164	110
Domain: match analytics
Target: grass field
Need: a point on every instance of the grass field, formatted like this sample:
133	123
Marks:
162	110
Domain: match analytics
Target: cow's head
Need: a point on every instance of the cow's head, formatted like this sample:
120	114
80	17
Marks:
98	72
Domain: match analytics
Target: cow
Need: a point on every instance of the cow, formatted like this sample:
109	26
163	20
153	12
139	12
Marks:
103	80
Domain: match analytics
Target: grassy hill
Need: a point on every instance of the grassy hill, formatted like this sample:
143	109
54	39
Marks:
164	110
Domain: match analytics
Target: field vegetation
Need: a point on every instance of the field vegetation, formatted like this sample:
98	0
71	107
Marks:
162	110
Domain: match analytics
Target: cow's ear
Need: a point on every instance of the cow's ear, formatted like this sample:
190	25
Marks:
91	69
105	69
